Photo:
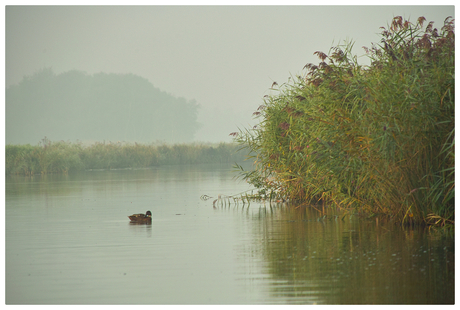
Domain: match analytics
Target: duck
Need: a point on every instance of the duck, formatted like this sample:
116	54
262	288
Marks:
141	218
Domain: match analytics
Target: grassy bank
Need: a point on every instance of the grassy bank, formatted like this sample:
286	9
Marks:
64	157
378	138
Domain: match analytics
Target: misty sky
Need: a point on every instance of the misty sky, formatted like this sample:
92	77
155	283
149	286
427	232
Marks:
224	57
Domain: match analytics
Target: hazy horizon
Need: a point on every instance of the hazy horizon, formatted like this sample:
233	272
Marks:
224	57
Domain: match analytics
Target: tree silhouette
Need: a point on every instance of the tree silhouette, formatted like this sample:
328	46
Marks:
112	107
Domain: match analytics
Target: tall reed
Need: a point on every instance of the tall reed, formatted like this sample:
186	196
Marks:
378	138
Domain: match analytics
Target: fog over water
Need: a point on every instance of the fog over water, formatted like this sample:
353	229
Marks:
224	58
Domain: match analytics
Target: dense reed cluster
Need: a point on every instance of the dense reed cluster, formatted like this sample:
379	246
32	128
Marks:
64	157
378	138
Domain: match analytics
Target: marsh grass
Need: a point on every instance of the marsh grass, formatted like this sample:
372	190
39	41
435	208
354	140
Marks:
65	157
378	139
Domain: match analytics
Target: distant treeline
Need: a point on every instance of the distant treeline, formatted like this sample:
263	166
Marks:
112	107
65	157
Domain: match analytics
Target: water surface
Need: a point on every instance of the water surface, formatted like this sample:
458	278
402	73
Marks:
69	241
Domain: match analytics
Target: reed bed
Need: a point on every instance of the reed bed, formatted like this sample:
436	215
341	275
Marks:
64	157
378	139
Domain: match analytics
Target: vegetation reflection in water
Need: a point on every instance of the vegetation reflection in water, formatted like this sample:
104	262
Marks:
281	253
316	256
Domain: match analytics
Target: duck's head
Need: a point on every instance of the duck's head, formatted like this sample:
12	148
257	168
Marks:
148	213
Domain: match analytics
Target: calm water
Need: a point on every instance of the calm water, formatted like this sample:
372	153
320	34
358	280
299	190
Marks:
69	241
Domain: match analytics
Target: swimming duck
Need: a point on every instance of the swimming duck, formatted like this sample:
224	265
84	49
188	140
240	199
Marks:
141	218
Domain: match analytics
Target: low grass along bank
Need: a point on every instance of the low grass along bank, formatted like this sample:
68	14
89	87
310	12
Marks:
64	157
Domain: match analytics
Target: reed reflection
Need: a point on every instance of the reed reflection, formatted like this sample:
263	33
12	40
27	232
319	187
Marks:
313	255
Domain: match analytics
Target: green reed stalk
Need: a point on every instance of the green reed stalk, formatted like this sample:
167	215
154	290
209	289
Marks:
377	138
